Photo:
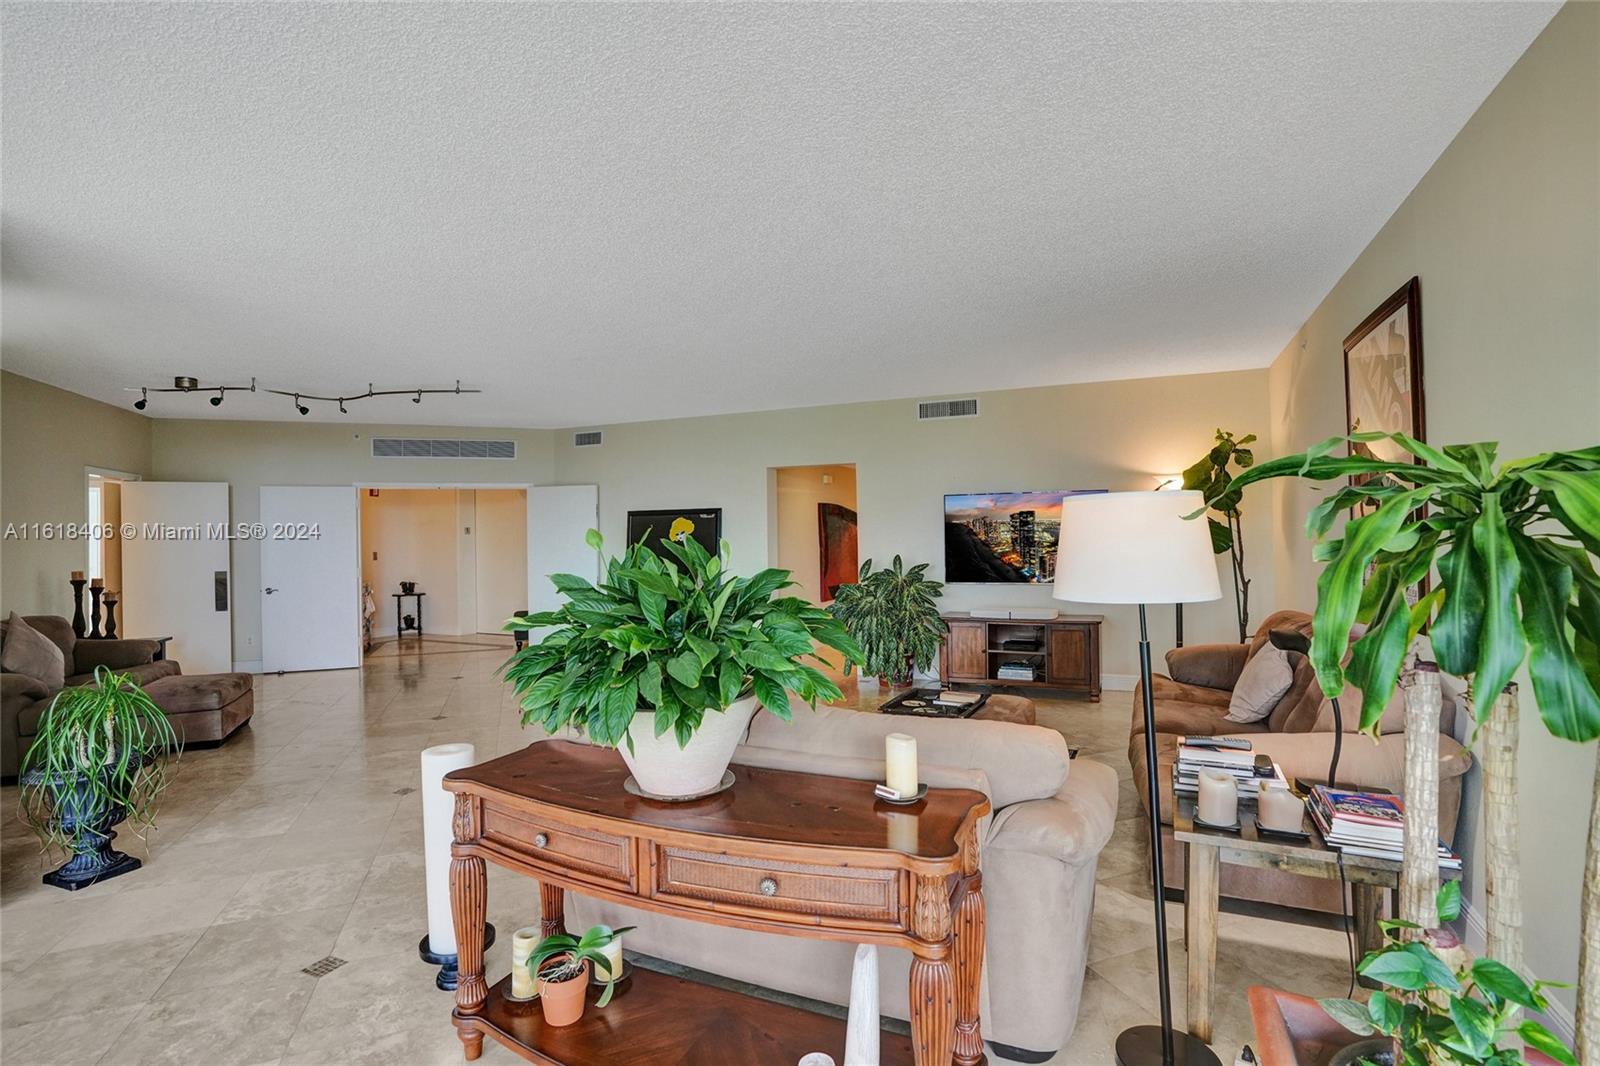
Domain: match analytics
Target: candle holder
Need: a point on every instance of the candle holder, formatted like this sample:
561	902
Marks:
449	973
78	626
110	601
95	592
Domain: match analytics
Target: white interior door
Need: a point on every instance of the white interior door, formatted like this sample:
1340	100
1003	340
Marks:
176	571
310	578
558	518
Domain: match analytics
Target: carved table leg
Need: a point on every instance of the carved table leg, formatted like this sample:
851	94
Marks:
933	1004
969	974
469	905
552	909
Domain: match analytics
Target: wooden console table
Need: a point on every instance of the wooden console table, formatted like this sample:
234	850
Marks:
779	852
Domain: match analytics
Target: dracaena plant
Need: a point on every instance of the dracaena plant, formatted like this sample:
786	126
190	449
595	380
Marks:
1444	1009
1514	546
893	614
675	635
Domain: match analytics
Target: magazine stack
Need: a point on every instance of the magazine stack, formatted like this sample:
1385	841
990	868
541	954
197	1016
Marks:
1366	823
1206	753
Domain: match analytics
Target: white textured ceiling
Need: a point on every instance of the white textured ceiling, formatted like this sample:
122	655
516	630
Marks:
605	213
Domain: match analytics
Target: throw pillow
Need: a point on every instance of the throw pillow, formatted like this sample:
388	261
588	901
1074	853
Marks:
1266	677
29	652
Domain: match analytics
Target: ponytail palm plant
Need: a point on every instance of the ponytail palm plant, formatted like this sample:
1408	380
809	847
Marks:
893	614
1514	546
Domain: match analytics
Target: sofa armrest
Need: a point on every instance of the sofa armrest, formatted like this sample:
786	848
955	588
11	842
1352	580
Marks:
113	654
18	692
1208	665
1072	827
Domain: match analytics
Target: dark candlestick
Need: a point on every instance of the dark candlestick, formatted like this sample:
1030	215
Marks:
77	607
94	611
110	600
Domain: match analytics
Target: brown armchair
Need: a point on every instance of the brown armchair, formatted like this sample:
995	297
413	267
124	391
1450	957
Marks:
23	698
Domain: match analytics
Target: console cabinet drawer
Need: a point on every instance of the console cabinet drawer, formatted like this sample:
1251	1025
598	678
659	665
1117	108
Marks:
567	847
794	892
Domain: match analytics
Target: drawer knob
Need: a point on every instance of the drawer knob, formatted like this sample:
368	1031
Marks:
541	840
769	886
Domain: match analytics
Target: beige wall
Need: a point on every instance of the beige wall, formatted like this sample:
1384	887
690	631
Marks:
47	438
251	454
501	536
1114	435
797	547
411	535
1504	233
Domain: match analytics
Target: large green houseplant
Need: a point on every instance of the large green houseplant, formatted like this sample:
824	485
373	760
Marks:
893	614
1514	548
1213	476
102	754
667	658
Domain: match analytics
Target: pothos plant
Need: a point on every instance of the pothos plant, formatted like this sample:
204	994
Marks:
1438	1013
1213	475
893	613
99	747
674	635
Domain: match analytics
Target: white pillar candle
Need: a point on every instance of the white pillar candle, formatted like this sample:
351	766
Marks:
437	808
900	756
1219	798
1280	809
613	954
523	944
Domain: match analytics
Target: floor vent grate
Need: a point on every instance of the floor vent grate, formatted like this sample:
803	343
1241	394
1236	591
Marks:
324	966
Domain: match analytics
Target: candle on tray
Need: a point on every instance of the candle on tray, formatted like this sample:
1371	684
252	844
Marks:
613	954
1280	809
77	575
900	757
523	943
1219	798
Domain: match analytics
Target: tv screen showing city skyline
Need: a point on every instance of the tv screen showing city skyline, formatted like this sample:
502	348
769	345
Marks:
1003	536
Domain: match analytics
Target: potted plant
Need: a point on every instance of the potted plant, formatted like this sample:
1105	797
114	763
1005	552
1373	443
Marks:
101	755
561	964
1212	477
1436	1006
668	657
893	614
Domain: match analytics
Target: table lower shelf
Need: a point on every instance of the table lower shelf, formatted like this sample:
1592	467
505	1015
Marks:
664	1020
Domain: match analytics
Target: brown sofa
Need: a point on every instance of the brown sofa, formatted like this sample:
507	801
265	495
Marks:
201	707
1298	735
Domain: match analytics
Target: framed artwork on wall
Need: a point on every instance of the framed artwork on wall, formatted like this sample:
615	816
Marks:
703	524
1383	374
838	552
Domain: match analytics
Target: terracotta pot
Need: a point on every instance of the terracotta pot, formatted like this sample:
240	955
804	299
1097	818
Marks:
562	1001
663	769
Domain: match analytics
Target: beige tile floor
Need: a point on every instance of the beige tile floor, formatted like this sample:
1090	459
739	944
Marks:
298	839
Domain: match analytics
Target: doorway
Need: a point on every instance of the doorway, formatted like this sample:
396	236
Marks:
103	489
465	550
814	528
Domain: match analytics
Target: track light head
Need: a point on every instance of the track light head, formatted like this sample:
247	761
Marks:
341	408
418	397
216	401
143	401
298	406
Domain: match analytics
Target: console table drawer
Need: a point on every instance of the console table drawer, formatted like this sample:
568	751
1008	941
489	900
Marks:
792	891
564	846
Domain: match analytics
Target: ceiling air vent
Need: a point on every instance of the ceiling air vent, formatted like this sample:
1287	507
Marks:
441	448
947	409
586	440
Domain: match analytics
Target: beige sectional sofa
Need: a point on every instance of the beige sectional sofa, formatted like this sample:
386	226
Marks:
1039	848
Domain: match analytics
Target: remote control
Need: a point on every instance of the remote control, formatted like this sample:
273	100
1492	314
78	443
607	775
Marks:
1231	743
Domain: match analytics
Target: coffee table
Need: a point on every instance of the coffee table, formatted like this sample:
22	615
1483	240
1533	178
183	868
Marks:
1208	849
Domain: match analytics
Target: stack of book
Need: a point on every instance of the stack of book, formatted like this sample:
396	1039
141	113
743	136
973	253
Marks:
1196	754
951	698
1016	670
1366	823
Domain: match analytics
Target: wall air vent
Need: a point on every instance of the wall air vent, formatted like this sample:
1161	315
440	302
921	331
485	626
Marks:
586	440
947	409
440	448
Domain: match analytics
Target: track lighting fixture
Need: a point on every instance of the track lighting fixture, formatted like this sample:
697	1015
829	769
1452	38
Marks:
184	383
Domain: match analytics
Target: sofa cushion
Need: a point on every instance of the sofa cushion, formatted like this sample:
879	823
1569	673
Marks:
186	693
1185	717
1022	762
1263	682
142	673
32	654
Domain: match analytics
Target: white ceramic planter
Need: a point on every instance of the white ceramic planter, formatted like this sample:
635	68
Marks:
662	768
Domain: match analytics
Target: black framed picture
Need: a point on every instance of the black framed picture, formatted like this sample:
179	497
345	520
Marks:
703	524
1383	375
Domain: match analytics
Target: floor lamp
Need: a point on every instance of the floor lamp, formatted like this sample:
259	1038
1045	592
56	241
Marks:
1138	548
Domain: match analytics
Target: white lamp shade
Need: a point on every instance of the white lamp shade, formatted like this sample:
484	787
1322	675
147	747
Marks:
1135	547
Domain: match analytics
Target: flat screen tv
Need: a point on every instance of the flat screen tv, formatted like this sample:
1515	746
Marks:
1003	536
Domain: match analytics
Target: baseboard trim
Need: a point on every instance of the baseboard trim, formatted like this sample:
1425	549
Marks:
1118	682
1474	933
249	666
